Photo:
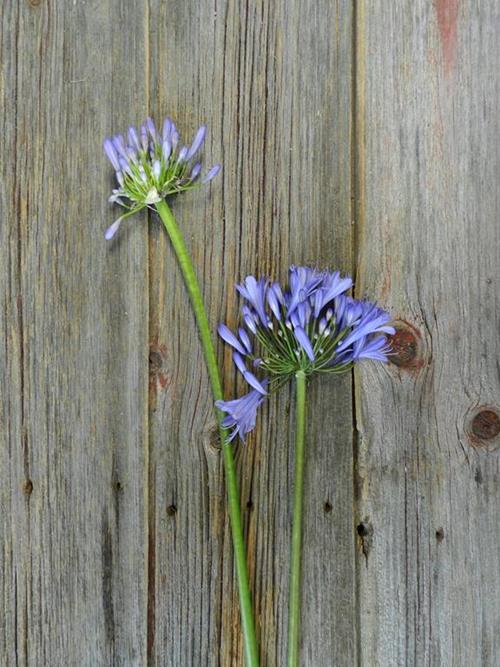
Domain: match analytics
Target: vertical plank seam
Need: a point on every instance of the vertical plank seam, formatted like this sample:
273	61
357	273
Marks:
357	212
22	362
149	511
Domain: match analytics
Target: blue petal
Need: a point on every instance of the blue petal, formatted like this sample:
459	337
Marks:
304	342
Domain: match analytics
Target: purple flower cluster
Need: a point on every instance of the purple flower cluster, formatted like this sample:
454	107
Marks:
151	164
312	326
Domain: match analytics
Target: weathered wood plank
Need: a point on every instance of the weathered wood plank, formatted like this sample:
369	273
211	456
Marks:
429	491
273	82
73	341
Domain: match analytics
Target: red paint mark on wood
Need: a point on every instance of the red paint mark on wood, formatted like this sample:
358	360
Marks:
447	15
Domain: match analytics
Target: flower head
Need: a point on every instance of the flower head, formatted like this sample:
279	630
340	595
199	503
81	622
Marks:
151	164
311	325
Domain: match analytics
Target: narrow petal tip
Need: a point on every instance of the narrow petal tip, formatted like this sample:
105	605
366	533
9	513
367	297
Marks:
112	229
212	173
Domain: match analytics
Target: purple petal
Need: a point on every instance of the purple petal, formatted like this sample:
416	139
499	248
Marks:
151	128
241	413
110	151
212	173
112	229
195	172
166	149
273	303
304	342
167	129
133	138
254	383
227	335
174	136
182	154
197	142
239	363
144	138
119	144
245	339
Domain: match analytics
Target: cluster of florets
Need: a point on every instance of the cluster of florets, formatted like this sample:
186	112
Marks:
152	164
312	326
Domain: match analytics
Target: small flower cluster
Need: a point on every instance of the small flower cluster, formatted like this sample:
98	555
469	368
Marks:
312	326
150	165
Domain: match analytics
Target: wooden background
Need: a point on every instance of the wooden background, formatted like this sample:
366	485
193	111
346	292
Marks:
363	136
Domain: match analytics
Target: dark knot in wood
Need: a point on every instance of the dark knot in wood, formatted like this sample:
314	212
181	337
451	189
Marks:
27	487
486	425
405	344
171	510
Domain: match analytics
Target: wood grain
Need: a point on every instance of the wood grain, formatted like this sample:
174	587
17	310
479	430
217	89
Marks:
74	333
116	547
273	82
428	489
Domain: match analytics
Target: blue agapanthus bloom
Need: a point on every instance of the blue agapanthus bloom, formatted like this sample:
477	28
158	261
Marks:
151	164
311	325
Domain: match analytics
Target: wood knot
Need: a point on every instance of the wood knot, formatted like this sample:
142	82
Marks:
158	377
483	428
440	534
406	345
365	534
486	425
171	510
27	487
211	439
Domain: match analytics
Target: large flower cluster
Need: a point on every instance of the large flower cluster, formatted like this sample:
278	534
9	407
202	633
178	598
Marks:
311	326
151	164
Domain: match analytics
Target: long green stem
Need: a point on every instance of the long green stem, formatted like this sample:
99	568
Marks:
298	494
193	288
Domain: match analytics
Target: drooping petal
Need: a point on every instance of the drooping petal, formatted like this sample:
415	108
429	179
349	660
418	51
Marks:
254	383
239	363
112	229
241	413
245	339
227	335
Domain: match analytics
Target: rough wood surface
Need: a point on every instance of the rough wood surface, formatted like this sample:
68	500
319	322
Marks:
115	544
74	381
428	479
273	81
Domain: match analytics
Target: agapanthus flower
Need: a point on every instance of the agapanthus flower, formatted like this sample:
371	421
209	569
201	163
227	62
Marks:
311	325
151	164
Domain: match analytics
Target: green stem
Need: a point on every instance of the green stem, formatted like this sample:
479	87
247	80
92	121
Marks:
298	494
193	288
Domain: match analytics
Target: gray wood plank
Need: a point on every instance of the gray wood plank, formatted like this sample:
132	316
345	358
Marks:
273	81
74	325
428	478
